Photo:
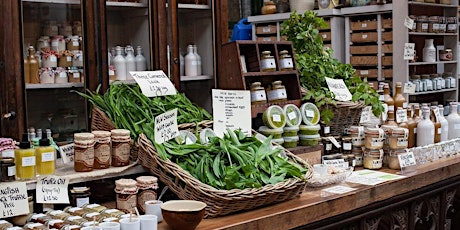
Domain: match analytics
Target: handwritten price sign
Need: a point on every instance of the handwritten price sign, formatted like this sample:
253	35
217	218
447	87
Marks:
166	126
154	83
406	159
13	199
52	190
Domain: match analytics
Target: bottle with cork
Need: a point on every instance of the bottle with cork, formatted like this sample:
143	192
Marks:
399	99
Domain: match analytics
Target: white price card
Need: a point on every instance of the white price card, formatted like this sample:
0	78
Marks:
52	190
13	199
67	153
338	163
339	189
409	22
334	141
154	83
340	90
406	159
401	115
409	88
231	110
366	114
409	51
166	126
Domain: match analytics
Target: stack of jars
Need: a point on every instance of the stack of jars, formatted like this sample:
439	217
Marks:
134	193
373	148
397	142
356	133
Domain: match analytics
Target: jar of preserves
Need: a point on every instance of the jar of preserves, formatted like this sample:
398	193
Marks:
398	138
433	24
357	135
277	92
451	24
79	196
358	153
102	150
38	218
60	75
374	138
346	145
147	187
84	152
94	207
73	75
75	211
121	147
286	62
34	226
65	60
445	55
267	62
73	43
422	23
126	190
56	223
258	95
5	224
393	160
77	60
58	43
7	169
373	158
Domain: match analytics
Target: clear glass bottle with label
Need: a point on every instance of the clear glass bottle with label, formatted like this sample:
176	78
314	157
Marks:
277	92
267	62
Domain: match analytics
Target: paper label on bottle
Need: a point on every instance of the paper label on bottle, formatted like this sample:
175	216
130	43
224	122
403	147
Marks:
82	201
8	153
346	146
401	115
277	94
195	63
292	115
48	156
439	130
327	129
286	63
76	75
276	118
75	43
12	171
28	161
391	108
258	95
52	222
53	58
68	58
457	126
267	64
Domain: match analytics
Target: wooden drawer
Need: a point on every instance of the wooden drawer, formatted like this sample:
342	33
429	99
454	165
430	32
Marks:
388	60
364	25
266	29
387	48
369	73
326	36
267	39
364	60
387	73
364	37
387	23
387	36
372	49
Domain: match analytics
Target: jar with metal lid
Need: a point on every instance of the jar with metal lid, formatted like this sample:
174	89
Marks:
34	226
102	150
79	196
75	220
445	55
58	214
75	211
433	24
422	23
148	186
451	24
358	153
56	223
393	161
374	138
258	95
427	81
7	169
267	62
126	190
373	158
94	207
286	62
277	92
38	218
5	224
113	212
415	79
398	138
357	135
121	147
346	145
84	152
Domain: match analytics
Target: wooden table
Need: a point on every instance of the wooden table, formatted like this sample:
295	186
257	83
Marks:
423	198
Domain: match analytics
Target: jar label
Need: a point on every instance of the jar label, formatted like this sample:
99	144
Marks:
28	161
442	28
376	142
277	94
12	171
435	27
359	160
429	85
276	118
63	75
327	129
75	44
49	156
391	108
376	163
286	63
144	196
68	58
424	26
82	201
52	58
126	202
402	142
76	75
328	146
102	154
8	153
346	146
195	63
452	83
85	157
111	72
267	64
55	43
258	95
292	115
381	97
120	153
452	28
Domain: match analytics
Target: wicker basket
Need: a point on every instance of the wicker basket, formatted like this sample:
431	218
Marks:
219	202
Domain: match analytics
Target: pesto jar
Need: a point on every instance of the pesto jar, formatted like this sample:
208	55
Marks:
277	92
258	95
286	62
267	62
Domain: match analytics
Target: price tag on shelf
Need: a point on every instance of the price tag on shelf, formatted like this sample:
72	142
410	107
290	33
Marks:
13	199
154	83
52	190
166	126
406	159
409	88
401	115
67	152
409	51
409	22
366	114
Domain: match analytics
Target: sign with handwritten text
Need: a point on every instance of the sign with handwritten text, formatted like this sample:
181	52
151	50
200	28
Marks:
409	51
166	126
67	152
232	110
154	83
13	199
340	90
52	190
406	159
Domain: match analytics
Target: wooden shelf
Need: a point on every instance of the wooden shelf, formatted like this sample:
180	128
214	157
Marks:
432	92
432	34
432	63
126	4
274	73
74	2
55	86
196	78
431	4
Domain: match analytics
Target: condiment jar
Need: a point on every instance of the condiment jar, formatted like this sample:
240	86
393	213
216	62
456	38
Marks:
422	23
267	62
58	43
277	92
121	147
374	138
77	60
398	138
60	75
357	135
427	82
126	190
373	158
46	75
34	226
358	152
84	152
5	224
102	149
75	220
7	169
147	186
75	211
56	223
79	196
74	75
445	55
451	24
433	24
393	160
415	79
286	62
65	60
346	145
73	43
258	95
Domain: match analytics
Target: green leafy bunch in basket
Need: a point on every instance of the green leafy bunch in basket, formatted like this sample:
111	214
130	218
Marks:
315	62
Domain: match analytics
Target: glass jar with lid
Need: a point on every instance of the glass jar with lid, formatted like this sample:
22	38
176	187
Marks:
357	135
374	138
450	80
346	145
286	62
7	169
277	92
451	24
258	95
358	153
414	25
428	82
442	24
373	158
442	80
433	24
126	190
445	55
393	160
79	196
422	23
415	79
398	138
267	62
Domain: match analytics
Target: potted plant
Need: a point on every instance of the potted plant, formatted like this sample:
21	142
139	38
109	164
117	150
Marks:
315	62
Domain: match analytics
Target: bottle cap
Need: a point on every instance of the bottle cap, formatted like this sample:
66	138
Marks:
44	142
24	144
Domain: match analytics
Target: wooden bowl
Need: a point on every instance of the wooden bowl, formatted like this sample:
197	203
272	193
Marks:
183	214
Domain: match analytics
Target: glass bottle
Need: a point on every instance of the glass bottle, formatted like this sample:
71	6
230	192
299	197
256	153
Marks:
444	124
454	122
130	61
391	119
46	157
429	51
33	66
198	60
425	129
190	62
411	126
387	98
120	64
25	160
436	123
140	60
399	99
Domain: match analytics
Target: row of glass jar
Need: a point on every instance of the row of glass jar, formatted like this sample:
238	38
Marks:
59	43
268	62
67	58
52	28
61	75
430	82
275	92
434	24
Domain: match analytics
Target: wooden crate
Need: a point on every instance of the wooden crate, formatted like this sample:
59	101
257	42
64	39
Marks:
267	39
364	60
387	73
369	73
387	23
326	36
370	49
364	25
388	48
266	29
387	60
364	37
387	36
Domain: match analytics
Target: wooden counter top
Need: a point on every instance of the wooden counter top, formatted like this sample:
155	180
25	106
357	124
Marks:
311	206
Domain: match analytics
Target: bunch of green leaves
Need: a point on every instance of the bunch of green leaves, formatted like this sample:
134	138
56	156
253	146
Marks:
235	161
315	62
128	108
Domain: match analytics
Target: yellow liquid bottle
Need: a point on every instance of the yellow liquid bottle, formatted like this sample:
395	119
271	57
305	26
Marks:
46	157
25	160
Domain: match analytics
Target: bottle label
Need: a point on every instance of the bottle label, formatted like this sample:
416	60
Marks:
82	201
258	95
267	64
328	147
286	63
194	62
391	108
277	94
28	161
439	130
49	156
12	171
